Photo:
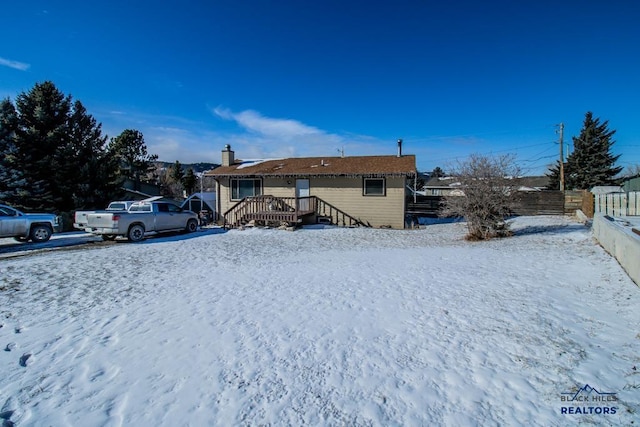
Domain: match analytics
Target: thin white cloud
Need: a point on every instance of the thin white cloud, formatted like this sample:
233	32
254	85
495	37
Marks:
253	121
16	65
257	136
266	137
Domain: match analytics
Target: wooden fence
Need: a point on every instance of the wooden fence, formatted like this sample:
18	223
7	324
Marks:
587	203
424	205
540	203
529	203
618	204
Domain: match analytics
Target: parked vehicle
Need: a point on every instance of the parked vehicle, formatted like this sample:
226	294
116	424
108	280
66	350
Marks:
80	217
37	227
143	218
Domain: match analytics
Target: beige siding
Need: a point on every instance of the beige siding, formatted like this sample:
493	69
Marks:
345	194
279	187
270	186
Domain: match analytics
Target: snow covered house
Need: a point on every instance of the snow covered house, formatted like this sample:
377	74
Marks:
346	191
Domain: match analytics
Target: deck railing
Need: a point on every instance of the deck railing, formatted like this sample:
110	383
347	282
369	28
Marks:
269	209
286	209
337	216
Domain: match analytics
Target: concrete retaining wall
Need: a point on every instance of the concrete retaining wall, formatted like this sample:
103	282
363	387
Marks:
617	238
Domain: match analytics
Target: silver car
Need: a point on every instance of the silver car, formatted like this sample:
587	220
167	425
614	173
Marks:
37	227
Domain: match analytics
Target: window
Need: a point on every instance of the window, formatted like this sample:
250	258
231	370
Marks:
140	207
374	187
5	211
241	188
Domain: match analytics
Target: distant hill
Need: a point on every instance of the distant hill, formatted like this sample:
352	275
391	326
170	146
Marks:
197	167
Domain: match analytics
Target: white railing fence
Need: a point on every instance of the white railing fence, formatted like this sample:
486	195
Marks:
618	204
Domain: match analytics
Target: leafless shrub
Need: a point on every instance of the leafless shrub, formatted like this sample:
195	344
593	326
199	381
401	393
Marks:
489	195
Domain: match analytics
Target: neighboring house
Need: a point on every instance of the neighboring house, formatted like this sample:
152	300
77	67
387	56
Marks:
445	186
631	184
532	183
362	190
450	186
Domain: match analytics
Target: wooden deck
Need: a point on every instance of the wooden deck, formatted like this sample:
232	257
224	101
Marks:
269	209
291	210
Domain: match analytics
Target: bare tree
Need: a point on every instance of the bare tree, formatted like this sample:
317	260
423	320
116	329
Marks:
631	171
168	186
490	194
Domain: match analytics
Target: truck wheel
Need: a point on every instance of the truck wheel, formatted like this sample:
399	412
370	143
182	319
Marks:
108	237
40	233
192	225
136	233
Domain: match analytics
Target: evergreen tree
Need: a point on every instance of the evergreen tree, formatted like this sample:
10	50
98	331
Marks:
437	172
553	173
42	132
94	177
53	154
10	175
131	151
189	181
591	162
177	173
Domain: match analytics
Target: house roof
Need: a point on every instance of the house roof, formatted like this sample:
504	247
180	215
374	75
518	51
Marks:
321	166
534	182
445	182
530	182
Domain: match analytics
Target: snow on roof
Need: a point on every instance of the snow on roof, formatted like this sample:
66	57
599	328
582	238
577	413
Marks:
253	162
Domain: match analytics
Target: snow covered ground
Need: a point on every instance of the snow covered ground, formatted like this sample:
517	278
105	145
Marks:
322	327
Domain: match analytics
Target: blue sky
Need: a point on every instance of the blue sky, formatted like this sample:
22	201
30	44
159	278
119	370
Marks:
308	78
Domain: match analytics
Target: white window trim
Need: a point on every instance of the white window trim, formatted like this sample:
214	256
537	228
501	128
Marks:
231	185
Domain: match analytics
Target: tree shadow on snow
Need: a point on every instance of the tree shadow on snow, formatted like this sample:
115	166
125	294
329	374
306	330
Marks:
178	236
547	229
10	248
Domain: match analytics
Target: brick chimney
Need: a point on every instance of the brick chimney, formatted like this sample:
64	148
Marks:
228	157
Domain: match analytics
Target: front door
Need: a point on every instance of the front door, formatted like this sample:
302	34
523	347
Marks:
302	190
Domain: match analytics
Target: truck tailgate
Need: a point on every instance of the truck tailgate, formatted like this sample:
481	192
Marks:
102	220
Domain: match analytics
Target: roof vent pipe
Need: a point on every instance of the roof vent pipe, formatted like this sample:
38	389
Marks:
399	147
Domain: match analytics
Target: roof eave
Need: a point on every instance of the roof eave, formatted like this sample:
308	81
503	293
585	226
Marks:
312	175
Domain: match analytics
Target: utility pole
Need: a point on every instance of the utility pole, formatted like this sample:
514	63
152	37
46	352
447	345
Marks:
561	125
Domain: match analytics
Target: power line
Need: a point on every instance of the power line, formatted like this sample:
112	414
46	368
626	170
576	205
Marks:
443	159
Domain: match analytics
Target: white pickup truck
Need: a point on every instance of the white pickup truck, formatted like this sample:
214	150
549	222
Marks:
143	218
80	217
